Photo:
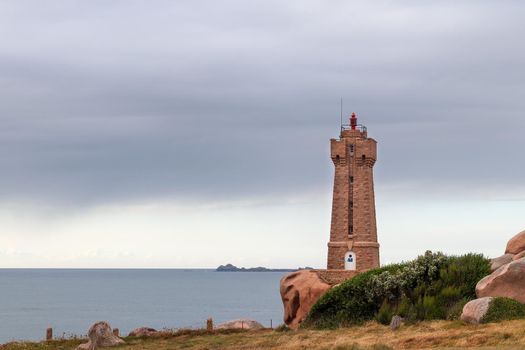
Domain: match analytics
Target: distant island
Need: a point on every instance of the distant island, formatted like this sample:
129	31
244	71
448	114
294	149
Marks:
233	268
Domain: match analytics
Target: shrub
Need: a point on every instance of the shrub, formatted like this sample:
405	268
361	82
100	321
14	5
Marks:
404	306
455	311
348	303
385	313
381	347
347	347
504	309
429	287
282	328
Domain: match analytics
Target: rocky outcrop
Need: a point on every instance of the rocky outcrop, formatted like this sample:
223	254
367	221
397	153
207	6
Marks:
143	332
100	336
498	262
240	324
233	268
516	244
507	281
519	255
299	292
475	310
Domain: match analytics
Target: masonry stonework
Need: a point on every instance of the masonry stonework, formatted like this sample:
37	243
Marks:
353	241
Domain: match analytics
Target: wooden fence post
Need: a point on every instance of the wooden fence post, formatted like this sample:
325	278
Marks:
49	333
209	324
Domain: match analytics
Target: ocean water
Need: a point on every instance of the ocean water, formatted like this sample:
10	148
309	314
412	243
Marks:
70	300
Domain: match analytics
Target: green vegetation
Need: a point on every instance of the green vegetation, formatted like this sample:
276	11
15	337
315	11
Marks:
433	286
504	309
282	328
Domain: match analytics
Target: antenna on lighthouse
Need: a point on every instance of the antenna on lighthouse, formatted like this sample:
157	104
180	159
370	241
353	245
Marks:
341	113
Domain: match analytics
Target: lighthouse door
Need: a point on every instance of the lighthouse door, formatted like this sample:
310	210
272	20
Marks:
350	261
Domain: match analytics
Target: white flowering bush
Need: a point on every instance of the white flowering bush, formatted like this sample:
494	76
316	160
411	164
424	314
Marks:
390	285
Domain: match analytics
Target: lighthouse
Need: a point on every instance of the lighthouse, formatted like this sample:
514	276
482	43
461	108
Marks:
353	241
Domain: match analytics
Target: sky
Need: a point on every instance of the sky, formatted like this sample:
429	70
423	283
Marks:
179	134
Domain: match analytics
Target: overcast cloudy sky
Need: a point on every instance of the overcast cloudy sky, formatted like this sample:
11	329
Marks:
196	133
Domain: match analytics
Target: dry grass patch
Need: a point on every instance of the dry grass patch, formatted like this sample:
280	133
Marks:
508	335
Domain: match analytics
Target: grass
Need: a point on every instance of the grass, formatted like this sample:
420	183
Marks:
369	336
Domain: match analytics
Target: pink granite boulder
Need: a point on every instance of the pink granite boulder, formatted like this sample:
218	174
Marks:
475	310
100	335
498	262
507	281
240	324
143	332
299	292
516	244
518	256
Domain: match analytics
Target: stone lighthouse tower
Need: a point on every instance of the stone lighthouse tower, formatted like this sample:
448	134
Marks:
353	234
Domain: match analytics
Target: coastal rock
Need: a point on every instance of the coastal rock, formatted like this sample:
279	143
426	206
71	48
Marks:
498	262
240	324
516	244
475	310
142	332
100	336
507	281
519	255
227	268
233	268
299	292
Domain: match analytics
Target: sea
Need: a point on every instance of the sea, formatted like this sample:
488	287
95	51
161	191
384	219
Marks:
71	300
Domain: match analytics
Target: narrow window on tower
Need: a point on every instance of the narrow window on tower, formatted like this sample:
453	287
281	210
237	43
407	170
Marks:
350	219
351	150
351	179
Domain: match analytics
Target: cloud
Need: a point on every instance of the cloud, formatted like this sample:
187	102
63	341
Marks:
123	102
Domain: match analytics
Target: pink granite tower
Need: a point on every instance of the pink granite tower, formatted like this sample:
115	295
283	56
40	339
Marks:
353	241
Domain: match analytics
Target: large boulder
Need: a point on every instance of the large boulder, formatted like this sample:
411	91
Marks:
475	310
142	332
240	324
498	262
100	336
507	281
299	292
518	256
516	244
